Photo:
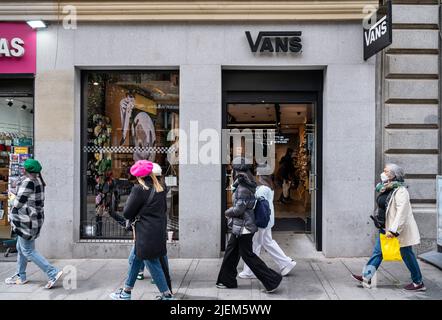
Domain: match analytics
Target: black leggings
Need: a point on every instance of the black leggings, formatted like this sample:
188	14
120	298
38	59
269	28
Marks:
242	247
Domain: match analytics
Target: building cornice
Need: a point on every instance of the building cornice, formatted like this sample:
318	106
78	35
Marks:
208	10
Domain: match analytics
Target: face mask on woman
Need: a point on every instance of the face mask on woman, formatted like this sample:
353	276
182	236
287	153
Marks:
384	177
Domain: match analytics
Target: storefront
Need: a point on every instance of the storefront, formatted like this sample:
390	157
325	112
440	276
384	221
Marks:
17	71
112	93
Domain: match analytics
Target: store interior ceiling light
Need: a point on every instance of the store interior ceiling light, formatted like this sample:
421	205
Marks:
95	83
36	24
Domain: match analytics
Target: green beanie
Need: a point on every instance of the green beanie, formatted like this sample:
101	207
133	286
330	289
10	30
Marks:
32	166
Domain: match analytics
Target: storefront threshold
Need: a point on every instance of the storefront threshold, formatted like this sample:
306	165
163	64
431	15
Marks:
112	249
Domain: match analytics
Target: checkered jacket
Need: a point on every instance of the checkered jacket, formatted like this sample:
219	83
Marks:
27	213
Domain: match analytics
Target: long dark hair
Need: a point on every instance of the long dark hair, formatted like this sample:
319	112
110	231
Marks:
266	181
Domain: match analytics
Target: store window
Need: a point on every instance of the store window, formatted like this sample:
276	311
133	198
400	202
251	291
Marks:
127	116
16	145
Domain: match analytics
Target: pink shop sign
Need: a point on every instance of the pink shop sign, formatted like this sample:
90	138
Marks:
17	48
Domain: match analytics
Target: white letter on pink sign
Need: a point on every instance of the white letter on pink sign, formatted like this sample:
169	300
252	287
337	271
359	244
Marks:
17	44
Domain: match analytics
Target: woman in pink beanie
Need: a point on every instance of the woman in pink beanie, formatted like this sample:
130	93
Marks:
147	206
141	168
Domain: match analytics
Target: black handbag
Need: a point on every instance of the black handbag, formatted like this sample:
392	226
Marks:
377	222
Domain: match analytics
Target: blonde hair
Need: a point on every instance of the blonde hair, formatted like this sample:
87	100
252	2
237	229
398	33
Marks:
156	184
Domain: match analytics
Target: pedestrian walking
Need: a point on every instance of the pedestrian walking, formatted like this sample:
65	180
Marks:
263	237
286	172
242	222
394	219
146	206
27	217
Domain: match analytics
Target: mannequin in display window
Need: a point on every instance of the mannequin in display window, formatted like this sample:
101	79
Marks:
127	104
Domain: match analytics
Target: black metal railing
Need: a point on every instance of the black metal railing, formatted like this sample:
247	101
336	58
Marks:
104	228
114	228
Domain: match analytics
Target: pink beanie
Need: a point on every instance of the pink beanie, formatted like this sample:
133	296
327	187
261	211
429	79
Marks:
141	168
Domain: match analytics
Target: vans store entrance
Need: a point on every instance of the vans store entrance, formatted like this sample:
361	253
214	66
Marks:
287	104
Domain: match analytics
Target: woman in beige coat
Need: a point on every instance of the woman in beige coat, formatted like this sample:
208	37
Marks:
394	219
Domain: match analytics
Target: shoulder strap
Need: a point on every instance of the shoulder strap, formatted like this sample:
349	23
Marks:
152	193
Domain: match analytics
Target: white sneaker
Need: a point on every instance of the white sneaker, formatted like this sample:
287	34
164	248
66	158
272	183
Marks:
15	279
366	283
286	270
51	283
244	275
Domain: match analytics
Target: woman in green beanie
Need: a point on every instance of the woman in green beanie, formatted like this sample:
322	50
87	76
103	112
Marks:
27	216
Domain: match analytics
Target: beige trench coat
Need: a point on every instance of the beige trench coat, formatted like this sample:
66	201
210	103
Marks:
400	219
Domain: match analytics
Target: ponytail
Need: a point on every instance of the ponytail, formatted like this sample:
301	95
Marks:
142	183
156	184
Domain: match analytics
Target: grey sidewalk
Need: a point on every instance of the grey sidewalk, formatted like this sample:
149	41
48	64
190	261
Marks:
314	277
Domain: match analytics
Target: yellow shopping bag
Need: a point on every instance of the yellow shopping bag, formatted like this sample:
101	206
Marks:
390	249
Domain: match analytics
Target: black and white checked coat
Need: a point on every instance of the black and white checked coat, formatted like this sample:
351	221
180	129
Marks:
27	213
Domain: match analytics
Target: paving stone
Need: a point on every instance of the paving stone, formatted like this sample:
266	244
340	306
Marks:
201	290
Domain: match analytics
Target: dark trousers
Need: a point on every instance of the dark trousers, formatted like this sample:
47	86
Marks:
241	247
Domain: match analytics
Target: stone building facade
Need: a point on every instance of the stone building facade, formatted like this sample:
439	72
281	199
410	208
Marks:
386	109
408	107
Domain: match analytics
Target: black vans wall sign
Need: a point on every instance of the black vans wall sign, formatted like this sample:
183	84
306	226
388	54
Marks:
275	41
378	36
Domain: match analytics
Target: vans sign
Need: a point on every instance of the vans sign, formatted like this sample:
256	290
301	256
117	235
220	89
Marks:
379	35
275	41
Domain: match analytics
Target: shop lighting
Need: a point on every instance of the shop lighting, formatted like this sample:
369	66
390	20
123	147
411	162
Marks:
36	24
95	83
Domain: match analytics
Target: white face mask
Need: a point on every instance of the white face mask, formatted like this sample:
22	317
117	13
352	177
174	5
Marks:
384	177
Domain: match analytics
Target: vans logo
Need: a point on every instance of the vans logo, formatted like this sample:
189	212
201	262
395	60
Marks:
275	41
377	36
376	31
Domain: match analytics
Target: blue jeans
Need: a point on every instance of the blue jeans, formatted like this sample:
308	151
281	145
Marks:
26	251
407	256
155	269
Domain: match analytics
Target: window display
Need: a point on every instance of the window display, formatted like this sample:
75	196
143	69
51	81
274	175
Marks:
127	116
16	145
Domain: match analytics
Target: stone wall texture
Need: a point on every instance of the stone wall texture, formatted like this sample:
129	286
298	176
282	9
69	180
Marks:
410	103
